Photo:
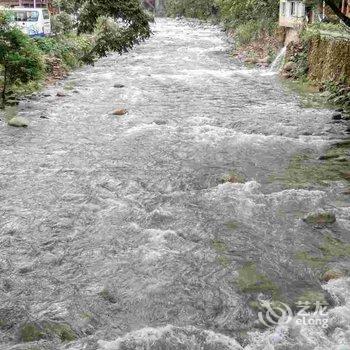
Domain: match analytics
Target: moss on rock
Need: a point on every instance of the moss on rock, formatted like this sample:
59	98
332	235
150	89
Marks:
250	281
63	331
18	122
320	220
31	332
330	250
328	59
311	299
331	275
232	225
303	171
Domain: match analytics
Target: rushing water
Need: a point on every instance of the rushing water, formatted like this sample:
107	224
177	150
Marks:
121	228
278	62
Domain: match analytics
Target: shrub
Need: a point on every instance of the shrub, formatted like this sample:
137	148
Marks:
20	59
62	23
201	9
73	50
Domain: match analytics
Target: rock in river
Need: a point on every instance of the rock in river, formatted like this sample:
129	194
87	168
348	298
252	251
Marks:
337	116
18	122
332	275
120	111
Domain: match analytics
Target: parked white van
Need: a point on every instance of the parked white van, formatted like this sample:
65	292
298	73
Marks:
32	21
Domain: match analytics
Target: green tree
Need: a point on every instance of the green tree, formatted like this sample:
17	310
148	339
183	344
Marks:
62	23
20	59
242	11
125	22
202	9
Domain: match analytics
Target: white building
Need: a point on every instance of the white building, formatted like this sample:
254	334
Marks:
292	13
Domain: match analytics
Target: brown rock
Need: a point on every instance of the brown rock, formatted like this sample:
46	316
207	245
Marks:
264	60
121	111
60	94
286	75
331	275
289	66
251	60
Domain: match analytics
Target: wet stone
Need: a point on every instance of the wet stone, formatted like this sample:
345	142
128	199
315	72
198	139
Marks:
337	116
18	122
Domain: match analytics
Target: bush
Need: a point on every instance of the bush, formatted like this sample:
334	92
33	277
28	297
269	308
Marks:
73	50
20	59
62	23
247	32
201	9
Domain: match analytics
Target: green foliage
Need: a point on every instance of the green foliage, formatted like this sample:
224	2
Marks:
236	12
68	6
247	32
111	37
339	93
201	9
20	59
249	18
102	16
73	50
62	23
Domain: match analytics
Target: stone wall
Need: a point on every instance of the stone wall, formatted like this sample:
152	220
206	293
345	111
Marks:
329	59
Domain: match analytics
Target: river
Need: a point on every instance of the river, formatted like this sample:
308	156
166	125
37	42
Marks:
119	232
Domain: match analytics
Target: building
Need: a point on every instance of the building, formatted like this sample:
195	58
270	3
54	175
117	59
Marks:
25	3
294	14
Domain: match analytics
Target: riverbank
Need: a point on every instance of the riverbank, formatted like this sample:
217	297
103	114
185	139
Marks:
322	60
60	55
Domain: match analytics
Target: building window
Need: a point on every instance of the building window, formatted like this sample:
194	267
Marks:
283	9
293	8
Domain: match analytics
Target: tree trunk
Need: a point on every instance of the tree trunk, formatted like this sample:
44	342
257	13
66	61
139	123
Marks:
338	12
